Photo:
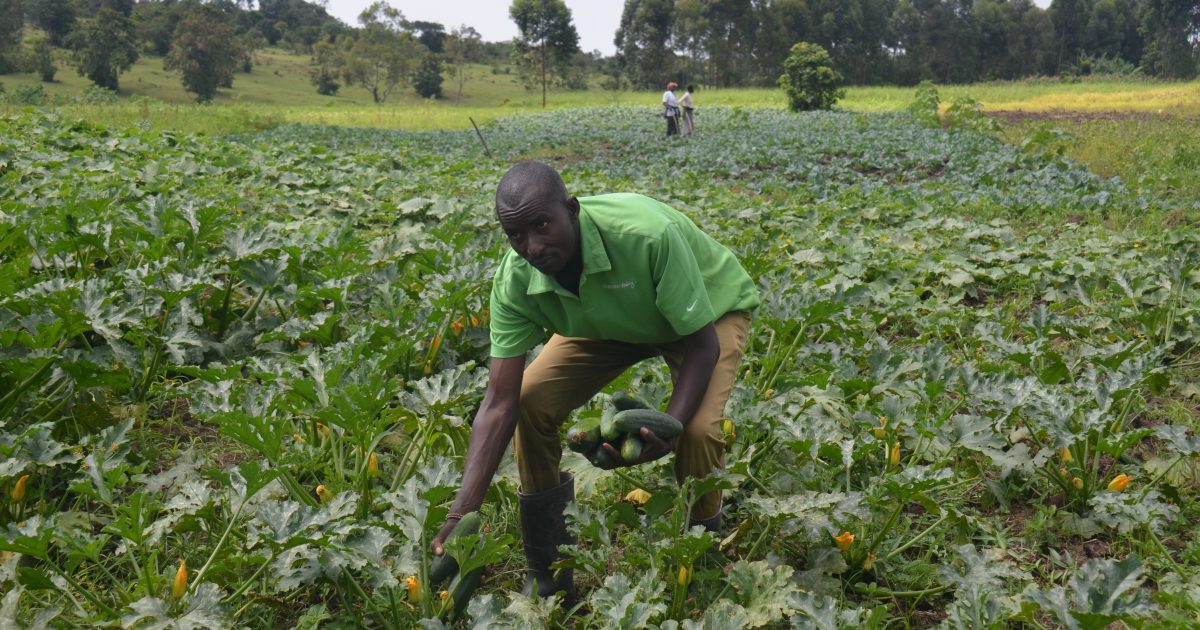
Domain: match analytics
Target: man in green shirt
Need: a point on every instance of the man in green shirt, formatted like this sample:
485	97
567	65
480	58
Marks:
617	279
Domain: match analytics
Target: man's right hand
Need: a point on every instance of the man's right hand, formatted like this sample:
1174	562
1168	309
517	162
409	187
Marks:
442	535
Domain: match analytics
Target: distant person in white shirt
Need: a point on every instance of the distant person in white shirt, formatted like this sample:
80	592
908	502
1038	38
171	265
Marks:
687	124
671	109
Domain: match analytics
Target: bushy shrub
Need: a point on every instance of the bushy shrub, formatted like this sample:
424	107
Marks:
967	113
1105	66
926	104
325	81
96	95
809	78
28	95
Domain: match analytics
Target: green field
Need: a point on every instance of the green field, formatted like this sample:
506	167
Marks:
968	397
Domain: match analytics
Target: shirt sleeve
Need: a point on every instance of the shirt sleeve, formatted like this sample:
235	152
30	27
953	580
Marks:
512	334
680	293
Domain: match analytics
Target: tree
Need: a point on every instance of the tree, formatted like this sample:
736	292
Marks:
689	36
155	24
809	78
326	64
546	43
204	51
643	40
105	46
1070	19
56	17
731	33
1170	28
428	80
10	34
463	47
431	35
1112	31
383	55
41	58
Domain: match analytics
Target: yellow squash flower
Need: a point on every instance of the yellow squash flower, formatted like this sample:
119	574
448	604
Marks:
844	541
881	430
1119	482
869	561
894	456
728	430
1077	483
414	589
638	496
18	491
1065	454
325	494
373	465
179	585
685	575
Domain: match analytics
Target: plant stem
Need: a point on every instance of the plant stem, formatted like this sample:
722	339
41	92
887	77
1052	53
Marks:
862	589
220	542
898	550
245	586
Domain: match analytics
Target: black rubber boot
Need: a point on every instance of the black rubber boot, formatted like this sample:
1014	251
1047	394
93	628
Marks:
543	529
711	524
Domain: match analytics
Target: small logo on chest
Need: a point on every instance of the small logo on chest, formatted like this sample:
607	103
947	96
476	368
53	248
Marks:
628	284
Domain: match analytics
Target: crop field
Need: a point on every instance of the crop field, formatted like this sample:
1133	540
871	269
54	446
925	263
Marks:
236	377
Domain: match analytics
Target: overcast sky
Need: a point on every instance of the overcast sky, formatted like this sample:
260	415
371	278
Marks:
596	20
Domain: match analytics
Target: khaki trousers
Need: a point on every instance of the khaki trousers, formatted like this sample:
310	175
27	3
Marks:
570	370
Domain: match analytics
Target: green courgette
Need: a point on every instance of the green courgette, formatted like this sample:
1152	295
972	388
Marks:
608	431
461	589
631	448
600	458
445	566
623	401
584	435
632	421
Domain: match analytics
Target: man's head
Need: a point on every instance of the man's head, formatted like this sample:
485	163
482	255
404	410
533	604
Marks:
538	216
672	85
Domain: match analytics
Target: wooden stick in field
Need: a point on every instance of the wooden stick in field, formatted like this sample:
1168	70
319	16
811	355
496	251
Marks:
480	134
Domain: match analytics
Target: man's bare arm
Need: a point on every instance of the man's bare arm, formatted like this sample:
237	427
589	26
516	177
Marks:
490	434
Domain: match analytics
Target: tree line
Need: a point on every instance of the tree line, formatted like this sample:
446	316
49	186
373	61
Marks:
710	42
745	42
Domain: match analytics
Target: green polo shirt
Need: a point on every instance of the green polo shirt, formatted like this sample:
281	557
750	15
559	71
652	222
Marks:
649	276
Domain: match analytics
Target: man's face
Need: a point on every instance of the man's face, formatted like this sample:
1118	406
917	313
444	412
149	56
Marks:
544	233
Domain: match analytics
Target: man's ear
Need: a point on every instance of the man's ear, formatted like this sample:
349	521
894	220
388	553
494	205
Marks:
573	206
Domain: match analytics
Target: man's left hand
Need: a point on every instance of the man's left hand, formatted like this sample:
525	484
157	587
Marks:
653	448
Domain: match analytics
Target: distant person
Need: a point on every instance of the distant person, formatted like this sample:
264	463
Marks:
671	109
687	124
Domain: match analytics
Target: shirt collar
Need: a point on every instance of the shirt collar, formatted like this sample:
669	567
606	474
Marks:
595	258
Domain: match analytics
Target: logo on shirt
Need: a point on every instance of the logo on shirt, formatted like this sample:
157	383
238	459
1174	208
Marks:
628	284
691	306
